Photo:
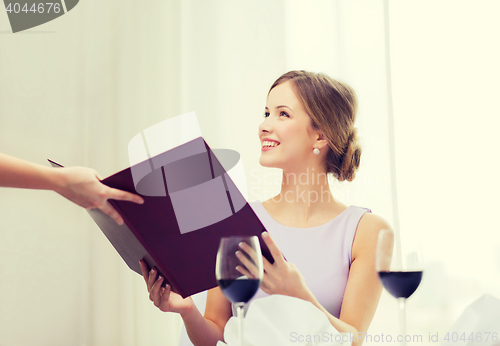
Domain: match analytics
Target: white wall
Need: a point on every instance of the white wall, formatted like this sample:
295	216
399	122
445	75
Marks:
445	67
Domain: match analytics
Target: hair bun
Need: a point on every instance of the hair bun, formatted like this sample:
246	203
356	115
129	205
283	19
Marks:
351	158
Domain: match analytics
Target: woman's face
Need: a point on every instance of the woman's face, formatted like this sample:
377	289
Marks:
286	135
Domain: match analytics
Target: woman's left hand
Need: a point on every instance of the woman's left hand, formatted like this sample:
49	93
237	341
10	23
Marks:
281	277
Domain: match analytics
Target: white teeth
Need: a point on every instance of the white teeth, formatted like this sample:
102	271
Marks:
269	144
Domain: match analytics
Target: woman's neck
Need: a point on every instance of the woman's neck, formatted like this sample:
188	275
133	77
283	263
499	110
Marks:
305	193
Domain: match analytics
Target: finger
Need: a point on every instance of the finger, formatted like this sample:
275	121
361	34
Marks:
154	295
168	289
273	248
248	265
245	272
267	281
249	250
151	279
125	196
267	265
109	210
255	257
165	298
144	270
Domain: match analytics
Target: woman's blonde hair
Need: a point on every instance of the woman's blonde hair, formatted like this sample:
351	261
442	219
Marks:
332	107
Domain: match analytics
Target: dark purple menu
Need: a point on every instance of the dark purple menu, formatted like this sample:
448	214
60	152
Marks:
190	202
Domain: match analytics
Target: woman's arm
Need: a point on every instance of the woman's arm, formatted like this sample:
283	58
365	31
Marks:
363	288
202	330
78	184
217	313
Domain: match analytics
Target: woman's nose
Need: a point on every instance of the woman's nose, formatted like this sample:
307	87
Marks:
265	126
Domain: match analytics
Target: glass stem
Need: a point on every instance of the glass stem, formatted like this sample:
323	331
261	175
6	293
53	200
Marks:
402	319
239	316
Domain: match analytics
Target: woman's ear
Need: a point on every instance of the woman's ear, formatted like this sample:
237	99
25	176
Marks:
321	141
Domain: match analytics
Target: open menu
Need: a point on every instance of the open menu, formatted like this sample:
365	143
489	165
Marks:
190	202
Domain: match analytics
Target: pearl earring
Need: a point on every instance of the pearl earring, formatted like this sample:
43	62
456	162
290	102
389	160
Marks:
316	150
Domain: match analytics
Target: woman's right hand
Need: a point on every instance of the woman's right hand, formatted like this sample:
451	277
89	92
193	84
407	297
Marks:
162	297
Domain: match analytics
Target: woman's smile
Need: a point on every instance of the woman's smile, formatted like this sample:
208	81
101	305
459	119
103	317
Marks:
269	144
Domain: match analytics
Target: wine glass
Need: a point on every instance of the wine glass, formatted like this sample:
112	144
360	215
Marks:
400	274
239	271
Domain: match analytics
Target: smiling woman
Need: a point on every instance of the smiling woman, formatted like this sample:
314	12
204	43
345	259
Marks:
327	105
308	132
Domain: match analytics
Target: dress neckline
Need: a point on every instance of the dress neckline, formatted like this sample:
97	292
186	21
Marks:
302	228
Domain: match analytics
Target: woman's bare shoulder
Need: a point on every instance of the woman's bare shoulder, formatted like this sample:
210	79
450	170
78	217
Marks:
365	239
372	221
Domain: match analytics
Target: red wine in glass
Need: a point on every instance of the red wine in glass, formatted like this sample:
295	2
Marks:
400	274
239	291
401	284
239	276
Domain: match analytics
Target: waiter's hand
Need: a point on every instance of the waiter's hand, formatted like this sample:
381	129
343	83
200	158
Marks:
82	186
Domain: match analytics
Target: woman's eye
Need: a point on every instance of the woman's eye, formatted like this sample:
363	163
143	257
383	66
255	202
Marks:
282	113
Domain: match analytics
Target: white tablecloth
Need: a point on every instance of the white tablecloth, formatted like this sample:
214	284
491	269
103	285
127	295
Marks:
281	320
